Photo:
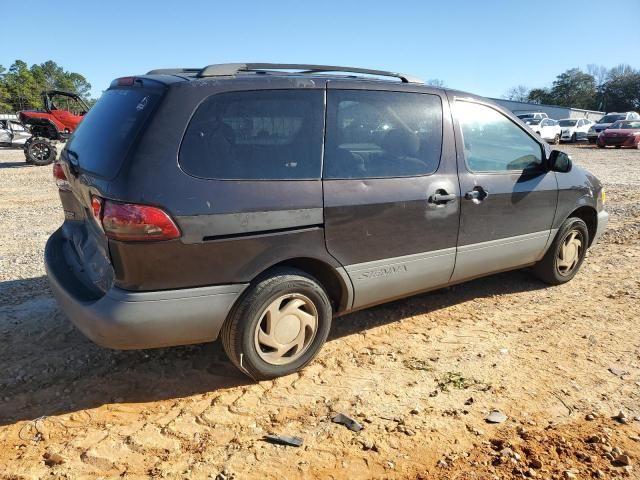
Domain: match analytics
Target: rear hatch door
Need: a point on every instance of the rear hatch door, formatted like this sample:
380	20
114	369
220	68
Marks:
92	158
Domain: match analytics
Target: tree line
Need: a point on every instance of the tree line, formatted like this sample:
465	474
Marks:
21	86
598	88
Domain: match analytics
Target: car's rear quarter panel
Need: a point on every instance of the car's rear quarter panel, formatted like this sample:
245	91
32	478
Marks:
231	230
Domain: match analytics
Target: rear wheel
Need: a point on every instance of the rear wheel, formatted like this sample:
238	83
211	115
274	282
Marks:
566	254
40	151
278	326
601	146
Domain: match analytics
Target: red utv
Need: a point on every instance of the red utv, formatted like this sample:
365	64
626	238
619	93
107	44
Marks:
62	113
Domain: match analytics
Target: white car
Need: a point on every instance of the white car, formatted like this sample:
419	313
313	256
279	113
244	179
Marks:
546	128
574	129
534	115
12	132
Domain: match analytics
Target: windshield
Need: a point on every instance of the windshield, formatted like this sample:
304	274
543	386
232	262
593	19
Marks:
104	136
568	123
611	118
627	124
525	115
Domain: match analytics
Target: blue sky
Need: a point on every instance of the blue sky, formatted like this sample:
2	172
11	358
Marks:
479	46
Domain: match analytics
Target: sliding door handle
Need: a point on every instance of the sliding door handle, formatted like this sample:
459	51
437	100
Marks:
477	195
441	197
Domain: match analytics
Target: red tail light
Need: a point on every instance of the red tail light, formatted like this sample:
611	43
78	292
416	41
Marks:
60	177
131	222
96	207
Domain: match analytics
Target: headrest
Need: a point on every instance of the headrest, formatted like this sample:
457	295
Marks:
401	143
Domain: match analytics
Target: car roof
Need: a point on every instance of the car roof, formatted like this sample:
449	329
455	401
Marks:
233	69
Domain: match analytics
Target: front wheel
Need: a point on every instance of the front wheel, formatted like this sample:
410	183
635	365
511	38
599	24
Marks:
566	254
278	326
40	152
592	141
574	138
556	139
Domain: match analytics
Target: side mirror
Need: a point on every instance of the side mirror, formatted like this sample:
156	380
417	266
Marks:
559	162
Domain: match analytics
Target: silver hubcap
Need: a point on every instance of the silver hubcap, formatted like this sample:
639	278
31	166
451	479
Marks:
569	253
286	329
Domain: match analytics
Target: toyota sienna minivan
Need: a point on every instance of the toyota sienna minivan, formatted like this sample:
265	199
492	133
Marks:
257	202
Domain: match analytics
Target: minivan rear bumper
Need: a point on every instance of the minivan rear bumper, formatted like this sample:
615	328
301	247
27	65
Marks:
127	320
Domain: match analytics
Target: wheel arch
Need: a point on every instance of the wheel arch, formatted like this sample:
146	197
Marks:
589	216
334	280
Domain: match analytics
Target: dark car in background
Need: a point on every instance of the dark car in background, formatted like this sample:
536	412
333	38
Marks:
623	133
256	202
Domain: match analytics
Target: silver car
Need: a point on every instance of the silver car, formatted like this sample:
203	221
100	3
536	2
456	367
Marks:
12	132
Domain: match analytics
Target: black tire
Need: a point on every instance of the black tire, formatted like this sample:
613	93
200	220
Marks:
574	138
40	152
240	331
601	146
548	269
25	149
618	146
556	139
592	141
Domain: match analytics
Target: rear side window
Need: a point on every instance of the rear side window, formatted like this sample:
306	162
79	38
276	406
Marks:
102	140
373	134
257	135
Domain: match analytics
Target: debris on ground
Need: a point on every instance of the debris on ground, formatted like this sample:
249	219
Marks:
290	441
496	416
349	422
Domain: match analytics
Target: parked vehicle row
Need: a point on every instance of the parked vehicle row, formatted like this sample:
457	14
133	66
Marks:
623	133
548	129
577	129
556	131
264	202
607	121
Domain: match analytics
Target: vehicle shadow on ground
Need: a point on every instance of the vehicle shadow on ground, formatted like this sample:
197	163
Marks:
47	367
14	165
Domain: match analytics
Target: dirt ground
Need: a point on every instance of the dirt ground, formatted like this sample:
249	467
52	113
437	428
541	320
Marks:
420	374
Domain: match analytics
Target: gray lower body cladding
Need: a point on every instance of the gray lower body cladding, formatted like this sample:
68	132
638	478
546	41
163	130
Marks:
132	320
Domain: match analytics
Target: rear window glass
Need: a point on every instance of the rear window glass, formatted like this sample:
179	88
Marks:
374	134
103	138
256	135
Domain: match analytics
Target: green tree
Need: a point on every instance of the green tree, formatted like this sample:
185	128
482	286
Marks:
51	76
519	93
574	88
540	95
22	87
5	106
622	89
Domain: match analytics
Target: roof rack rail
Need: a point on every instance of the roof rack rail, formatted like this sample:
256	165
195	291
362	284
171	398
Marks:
172	71
228	69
